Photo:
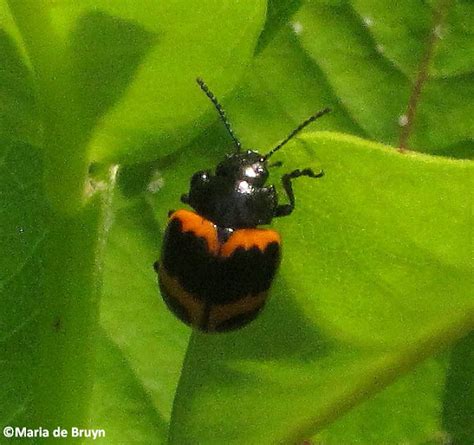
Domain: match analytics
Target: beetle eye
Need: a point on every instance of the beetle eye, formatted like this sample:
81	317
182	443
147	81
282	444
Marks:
199	177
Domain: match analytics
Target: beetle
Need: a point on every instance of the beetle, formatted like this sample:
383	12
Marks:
217	264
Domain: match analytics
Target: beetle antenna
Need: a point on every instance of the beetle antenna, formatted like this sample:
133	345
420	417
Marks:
297	130
221	112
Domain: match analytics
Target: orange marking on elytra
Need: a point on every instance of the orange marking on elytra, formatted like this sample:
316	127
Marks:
223	312
193	306
201	227
248	238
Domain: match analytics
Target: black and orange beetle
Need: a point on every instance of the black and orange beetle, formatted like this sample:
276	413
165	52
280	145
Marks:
216	265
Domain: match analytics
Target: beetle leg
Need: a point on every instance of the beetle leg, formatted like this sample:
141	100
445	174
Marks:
185	198
286	209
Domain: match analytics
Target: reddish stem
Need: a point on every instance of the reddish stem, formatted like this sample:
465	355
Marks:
439	16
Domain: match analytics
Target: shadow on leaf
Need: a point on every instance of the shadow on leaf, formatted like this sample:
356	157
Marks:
107	52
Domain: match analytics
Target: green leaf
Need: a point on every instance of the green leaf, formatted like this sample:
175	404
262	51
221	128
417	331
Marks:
74	48
321	348
119	396
458	409
23	226
279	12
140	335
373	243
404	29
399	106
96	67
281	89
344	319
18	108
156	115
107	52
406	412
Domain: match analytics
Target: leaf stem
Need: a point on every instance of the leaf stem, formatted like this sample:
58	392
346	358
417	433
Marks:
69	316
439	17
64	139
